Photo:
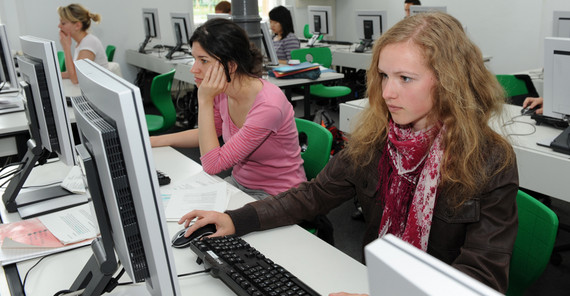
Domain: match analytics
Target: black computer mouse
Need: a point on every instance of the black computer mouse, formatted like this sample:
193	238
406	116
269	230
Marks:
180	241
528	111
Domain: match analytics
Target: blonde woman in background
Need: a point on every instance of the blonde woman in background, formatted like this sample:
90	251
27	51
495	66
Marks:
74	21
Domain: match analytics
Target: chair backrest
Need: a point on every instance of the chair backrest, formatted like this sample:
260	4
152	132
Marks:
318	143
110	50
538	226
161	97
321	55
61	59
308	33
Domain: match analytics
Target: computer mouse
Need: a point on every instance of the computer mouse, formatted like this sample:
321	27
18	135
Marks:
528	111
180	241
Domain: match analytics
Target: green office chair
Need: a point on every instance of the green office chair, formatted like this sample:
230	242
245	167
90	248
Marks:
61	59
538	226
318	143
323	56
308	34
161	97
110	50
517	88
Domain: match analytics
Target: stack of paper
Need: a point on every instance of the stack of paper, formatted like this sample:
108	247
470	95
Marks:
47	234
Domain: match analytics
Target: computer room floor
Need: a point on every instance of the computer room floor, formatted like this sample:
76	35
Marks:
348	232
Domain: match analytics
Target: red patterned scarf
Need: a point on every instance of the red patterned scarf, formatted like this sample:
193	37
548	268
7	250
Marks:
409	175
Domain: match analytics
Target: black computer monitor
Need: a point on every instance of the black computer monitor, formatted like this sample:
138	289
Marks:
369	26
556	88
8	77
49	127
320	22
150	25
561	24
269	53
122	181
182	29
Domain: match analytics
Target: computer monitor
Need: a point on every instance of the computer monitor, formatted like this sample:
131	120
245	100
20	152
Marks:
49	127
118	163
320	22
556	88
219	15
369	26
415	9
182	28
150	25
398	268
8	77
269	53
561	24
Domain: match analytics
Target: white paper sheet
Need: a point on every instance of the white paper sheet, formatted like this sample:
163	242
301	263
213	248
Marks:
188	197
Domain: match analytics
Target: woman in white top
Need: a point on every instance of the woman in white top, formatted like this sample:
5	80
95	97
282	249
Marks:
74	21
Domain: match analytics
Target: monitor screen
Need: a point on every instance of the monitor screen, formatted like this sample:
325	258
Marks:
561	24
119	166
415	9
398	268
150	26
182	29
8	77
370	24
556	88
219	15
320	20
270	56
48	121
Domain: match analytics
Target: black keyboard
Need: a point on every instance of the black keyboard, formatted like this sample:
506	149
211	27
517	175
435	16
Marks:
244	269
551	121
163	179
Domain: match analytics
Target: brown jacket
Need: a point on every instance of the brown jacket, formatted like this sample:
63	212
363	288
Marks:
476	238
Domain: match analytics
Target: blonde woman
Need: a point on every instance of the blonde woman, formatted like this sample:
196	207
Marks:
74	21
422	162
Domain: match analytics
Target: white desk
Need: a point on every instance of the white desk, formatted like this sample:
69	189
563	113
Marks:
159	64
540	168
319	265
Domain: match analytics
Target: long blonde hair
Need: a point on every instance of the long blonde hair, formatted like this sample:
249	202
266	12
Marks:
465	97
77	13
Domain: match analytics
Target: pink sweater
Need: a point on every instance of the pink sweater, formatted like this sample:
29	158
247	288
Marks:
265	153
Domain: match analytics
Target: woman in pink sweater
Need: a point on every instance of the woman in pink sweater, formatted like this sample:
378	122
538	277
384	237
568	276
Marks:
252	115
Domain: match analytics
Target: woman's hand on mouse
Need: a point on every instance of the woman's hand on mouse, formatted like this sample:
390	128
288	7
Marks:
531	103
223	222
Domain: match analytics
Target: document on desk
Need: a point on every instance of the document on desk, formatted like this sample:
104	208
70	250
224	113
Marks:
198	194
38	237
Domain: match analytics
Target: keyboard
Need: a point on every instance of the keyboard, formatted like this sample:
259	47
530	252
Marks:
244	269
551	121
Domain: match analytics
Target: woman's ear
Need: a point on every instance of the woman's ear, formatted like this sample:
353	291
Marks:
232	67
77	26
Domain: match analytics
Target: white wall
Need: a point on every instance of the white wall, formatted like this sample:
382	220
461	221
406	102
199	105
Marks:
511	31
121	22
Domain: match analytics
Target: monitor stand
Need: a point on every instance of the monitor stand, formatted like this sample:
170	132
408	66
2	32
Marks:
367	43
313	40
143	45
36	201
